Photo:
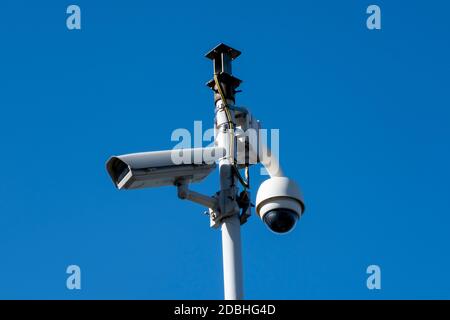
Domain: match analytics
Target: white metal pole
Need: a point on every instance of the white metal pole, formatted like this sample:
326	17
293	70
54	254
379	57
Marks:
232	258
231	227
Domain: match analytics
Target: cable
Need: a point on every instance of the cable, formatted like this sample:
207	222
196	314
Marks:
227	114
245	184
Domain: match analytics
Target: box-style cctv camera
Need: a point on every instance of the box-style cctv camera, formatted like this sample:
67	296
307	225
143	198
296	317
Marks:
162	168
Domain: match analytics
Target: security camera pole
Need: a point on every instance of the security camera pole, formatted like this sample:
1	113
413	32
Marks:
224	86
279	202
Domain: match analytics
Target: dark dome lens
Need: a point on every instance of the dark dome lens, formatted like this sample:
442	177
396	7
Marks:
280	220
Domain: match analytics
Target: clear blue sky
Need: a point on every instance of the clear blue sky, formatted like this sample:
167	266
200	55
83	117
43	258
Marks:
364	118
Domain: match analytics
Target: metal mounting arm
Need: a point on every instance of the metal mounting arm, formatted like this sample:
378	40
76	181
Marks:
186	194
269	160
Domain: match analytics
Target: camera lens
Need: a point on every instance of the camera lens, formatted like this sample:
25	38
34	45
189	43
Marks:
280	220
120	170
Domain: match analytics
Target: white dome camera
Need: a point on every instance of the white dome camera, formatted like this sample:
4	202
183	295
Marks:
279	203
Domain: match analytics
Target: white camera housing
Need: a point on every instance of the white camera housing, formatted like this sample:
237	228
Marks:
279	195
162	168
